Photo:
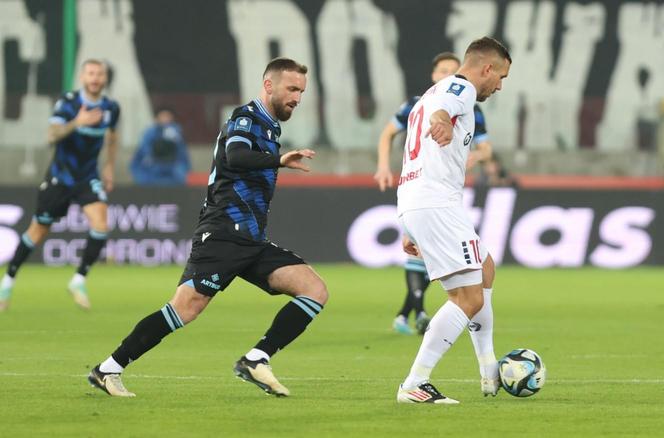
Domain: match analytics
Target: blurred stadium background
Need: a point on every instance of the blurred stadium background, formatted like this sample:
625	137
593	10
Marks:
579	124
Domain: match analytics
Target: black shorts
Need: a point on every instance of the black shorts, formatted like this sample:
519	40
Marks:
215	262
54	198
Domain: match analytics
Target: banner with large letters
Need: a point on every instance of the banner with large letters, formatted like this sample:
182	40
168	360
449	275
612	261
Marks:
586	73
533	228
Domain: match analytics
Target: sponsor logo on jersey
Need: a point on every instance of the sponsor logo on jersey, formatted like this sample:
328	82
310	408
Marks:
455	88
205	236
410	176
243	124
467	139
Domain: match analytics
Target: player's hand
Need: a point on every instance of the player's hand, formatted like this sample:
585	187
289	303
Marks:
86	117
384	178
409	247
440	132
293	159
107	177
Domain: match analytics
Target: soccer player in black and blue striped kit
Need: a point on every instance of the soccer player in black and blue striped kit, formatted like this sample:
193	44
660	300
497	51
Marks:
230	239
83	122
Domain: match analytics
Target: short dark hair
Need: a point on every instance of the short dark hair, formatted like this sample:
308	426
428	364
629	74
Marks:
488	44
285	64
445	56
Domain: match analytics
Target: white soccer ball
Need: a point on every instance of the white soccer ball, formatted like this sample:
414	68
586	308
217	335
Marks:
522	372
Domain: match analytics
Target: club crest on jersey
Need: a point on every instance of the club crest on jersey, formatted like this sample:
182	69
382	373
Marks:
455	88
243	124
107	117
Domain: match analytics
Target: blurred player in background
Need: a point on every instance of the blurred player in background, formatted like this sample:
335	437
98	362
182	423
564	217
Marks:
230	239
83	122
436	225
417	280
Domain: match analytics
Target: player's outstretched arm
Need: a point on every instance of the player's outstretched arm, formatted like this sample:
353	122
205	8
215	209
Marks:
293	159
383	175
441	128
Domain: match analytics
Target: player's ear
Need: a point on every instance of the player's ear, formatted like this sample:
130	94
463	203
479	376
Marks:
267	85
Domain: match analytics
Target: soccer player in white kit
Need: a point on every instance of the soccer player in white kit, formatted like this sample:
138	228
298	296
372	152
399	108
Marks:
437	227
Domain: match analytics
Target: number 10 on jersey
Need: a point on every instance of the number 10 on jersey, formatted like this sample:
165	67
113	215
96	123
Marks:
414	133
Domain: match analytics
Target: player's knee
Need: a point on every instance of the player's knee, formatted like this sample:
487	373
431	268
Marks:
465	290
318	292
475	301
469	300
189	310
36	232
189	305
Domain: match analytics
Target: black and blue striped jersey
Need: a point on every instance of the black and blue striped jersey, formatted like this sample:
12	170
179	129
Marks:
481	134
239	192
400	119
75	157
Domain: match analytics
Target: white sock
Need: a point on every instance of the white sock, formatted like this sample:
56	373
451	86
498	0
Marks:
7	281
481	333
444	329
110	366
78	278
256	354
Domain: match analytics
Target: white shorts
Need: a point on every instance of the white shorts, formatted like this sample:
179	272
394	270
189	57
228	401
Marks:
445	238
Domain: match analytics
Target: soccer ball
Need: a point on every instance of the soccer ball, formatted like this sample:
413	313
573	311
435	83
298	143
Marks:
522	372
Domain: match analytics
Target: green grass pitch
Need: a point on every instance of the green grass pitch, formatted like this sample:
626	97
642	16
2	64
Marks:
599	333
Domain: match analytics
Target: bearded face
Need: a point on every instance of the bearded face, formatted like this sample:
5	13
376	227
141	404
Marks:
93	78
287	89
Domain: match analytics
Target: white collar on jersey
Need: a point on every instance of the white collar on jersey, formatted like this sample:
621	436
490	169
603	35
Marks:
264	110
87	101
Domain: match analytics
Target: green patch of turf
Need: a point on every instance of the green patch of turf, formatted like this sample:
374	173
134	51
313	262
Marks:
598	332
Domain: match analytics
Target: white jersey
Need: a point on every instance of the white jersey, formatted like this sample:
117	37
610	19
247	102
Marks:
432	175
